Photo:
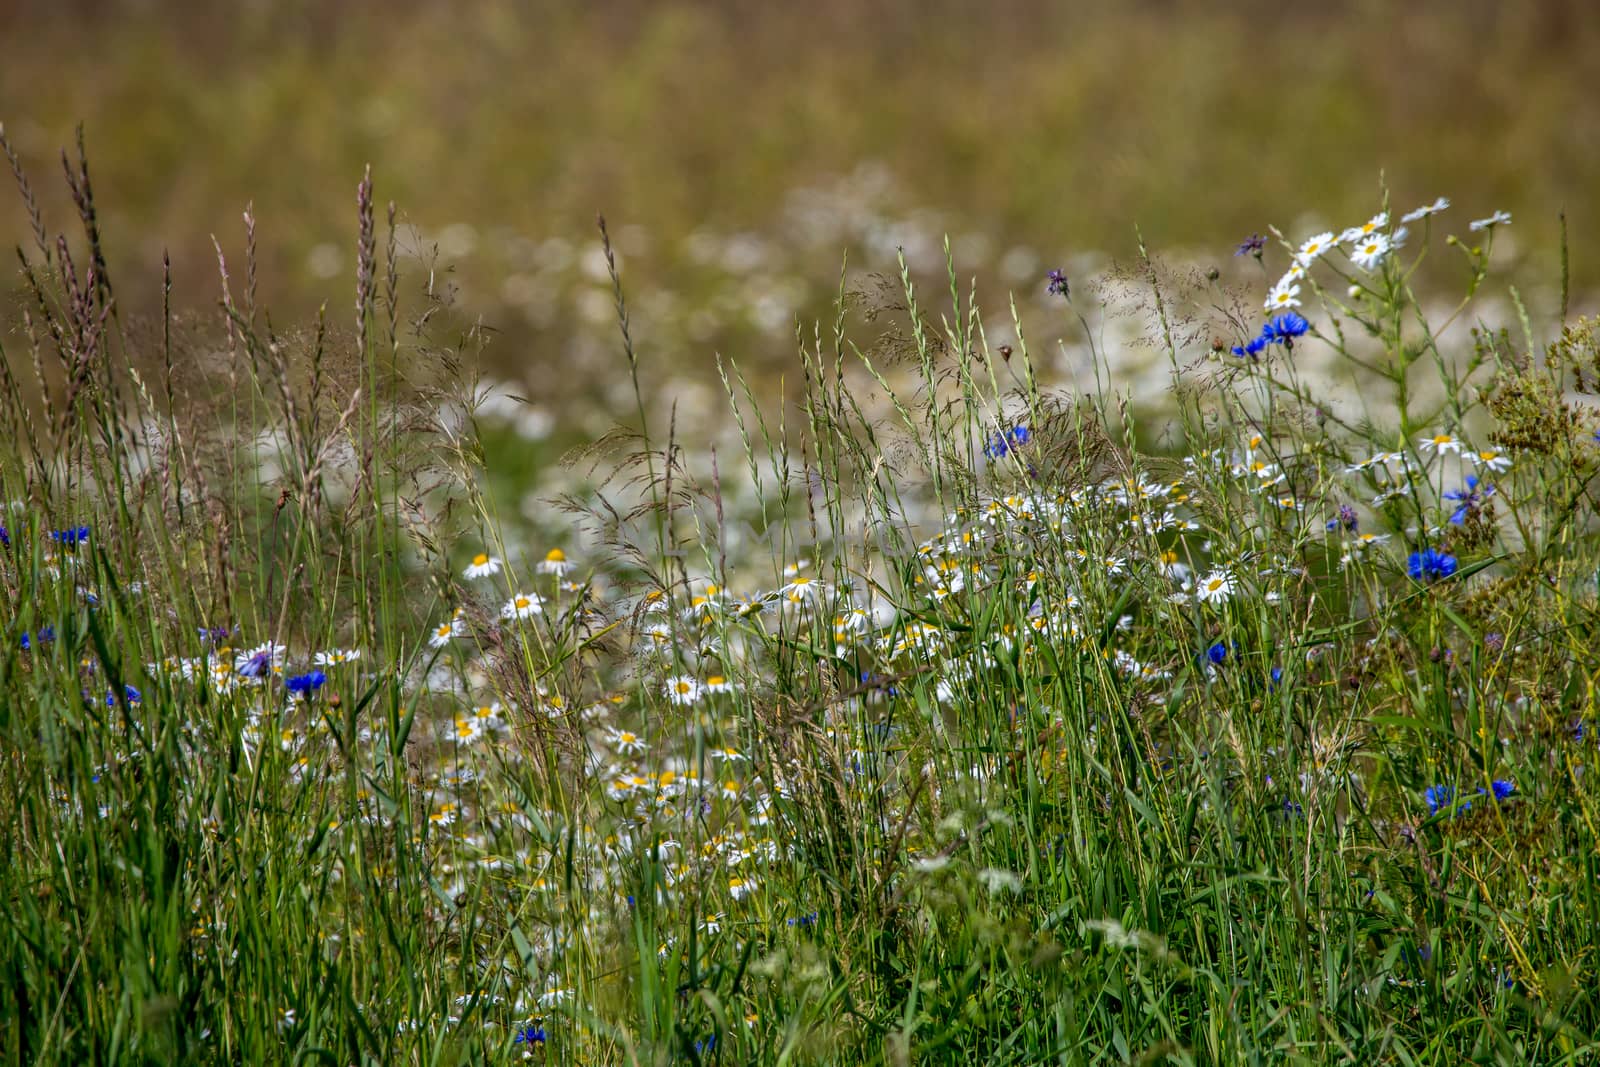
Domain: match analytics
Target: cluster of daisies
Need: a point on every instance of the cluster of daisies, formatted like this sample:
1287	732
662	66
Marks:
1366	246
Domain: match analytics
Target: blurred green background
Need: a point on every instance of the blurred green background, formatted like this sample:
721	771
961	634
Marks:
739	151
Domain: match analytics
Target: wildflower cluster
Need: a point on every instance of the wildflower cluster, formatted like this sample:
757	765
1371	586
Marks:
718	776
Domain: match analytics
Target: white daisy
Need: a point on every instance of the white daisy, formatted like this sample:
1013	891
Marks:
801	589
522	606
1369	251
1284	295
555	562
488	716
444	632
682	689
856	621
334	657
1217	586
483	565
626	742
1372	226
1499	218
1442	443
1425	210
1312	248
1494	459
466	731
554	994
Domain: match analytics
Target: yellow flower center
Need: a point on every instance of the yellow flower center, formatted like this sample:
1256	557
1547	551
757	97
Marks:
480	559
555	555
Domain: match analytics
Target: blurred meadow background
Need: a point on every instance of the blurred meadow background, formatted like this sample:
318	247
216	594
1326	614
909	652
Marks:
741	153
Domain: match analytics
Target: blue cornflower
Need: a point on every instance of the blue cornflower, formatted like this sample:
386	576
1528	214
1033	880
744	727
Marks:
1217	653
257	663
1442	798
1256	346
1253	245
306	683
1468	499
5	537
1001	444
46	634
1501	788
1283	329
1429	565
71	537
1280	330
132	695
879	682
803	921
532	1034
705	1044
1417	954
1058	284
